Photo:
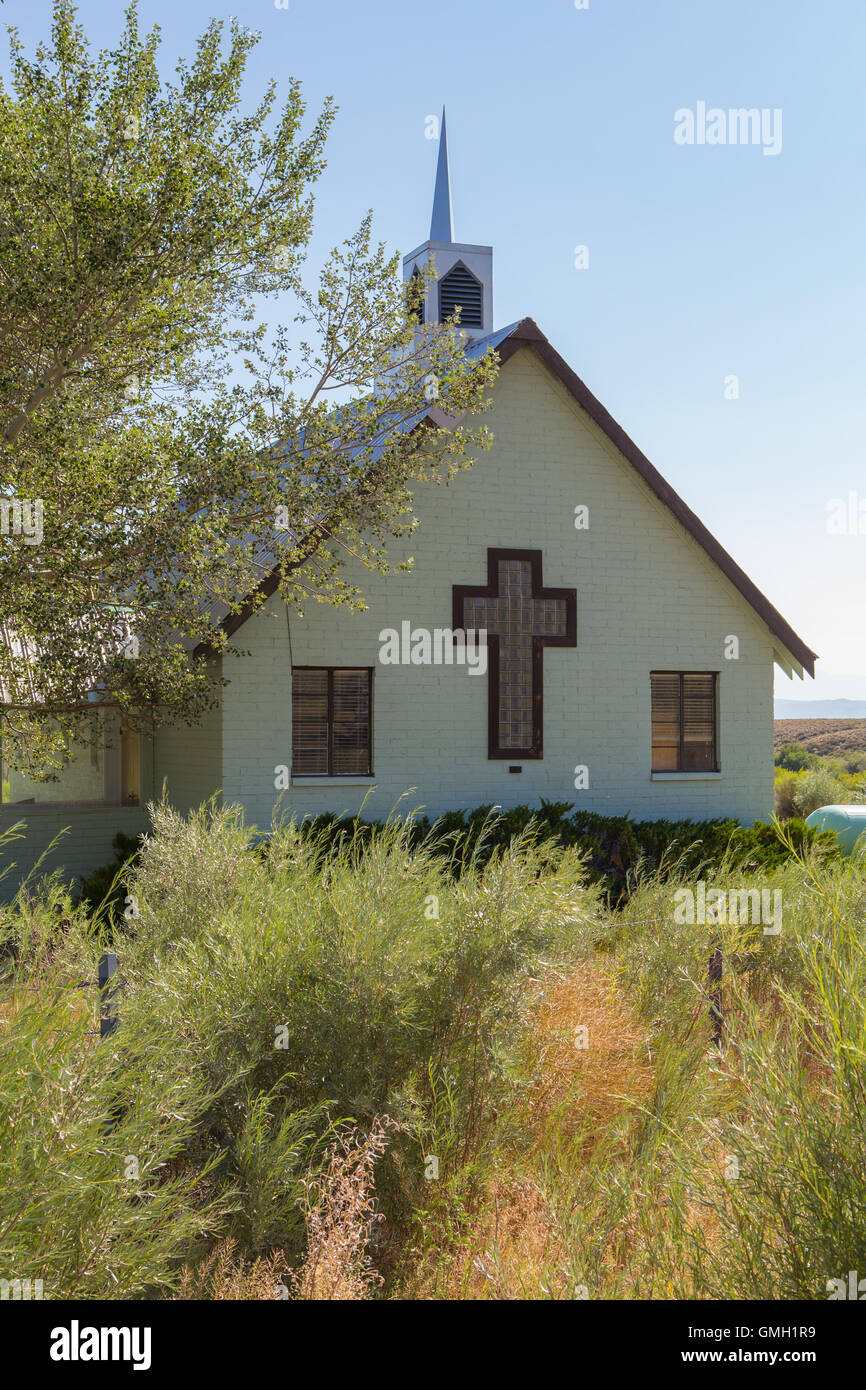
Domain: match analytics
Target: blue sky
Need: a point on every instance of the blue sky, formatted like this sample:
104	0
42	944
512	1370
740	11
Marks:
705	261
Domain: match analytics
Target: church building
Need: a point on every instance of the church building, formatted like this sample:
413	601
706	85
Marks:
570	630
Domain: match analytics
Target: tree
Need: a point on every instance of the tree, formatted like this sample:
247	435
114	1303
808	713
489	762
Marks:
161	447
795	757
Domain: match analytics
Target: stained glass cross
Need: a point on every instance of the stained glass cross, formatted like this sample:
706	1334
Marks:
521	618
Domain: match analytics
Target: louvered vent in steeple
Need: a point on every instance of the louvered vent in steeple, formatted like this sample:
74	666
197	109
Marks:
460	286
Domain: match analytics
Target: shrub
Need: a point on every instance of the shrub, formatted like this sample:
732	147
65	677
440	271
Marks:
786	784
273	1003
614	848
654	1212
343	981
794	757
341	976
794	1220
855	785
305	1018
855	760
104	891
819	788
91	1131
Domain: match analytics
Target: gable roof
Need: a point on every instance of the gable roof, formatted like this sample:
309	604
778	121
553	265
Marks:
526	333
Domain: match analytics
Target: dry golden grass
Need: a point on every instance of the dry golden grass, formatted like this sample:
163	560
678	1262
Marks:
578	1094
341	1217
589	1051
224	1276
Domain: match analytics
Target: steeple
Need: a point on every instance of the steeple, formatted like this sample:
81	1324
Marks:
441	223
465	270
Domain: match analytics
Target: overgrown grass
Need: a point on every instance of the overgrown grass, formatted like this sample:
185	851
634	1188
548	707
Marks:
345	1071
274	1004
733	1173
103	1173
613	848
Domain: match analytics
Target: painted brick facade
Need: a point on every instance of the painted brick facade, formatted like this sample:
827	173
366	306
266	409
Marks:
85	846
648	598
186	759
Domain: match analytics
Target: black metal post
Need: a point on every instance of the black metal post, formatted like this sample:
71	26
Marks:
715	983
107	1008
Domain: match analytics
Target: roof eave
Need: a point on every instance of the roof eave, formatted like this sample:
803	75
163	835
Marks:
527	334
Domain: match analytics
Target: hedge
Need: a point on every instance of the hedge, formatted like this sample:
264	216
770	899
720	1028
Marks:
614	845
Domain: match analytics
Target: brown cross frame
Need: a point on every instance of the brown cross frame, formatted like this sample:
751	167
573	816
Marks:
461	592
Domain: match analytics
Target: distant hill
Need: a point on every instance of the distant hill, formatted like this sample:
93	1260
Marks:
823	736
820	709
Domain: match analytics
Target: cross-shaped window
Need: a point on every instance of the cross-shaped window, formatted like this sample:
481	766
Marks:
521	618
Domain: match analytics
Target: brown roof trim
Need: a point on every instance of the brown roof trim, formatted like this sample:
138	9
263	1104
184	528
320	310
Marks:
528	334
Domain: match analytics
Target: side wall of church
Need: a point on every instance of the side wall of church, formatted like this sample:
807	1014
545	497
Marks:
187	759
648	598
75	835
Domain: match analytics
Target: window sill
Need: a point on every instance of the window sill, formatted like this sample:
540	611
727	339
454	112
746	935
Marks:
333	781
686	776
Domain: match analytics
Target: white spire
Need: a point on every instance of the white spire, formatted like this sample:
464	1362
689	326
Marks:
441	224
464	272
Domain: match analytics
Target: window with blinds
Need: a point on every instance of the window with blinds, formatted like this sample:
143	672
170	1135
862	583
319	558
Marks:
331	723
684	720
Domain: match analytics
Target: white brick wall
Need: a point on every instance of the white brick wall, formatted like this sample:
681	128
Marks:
647	598
187	758
86	846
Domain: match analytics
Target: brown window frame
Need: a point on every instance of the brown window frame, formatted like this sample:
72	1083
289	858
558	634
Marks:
330	773
680	767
